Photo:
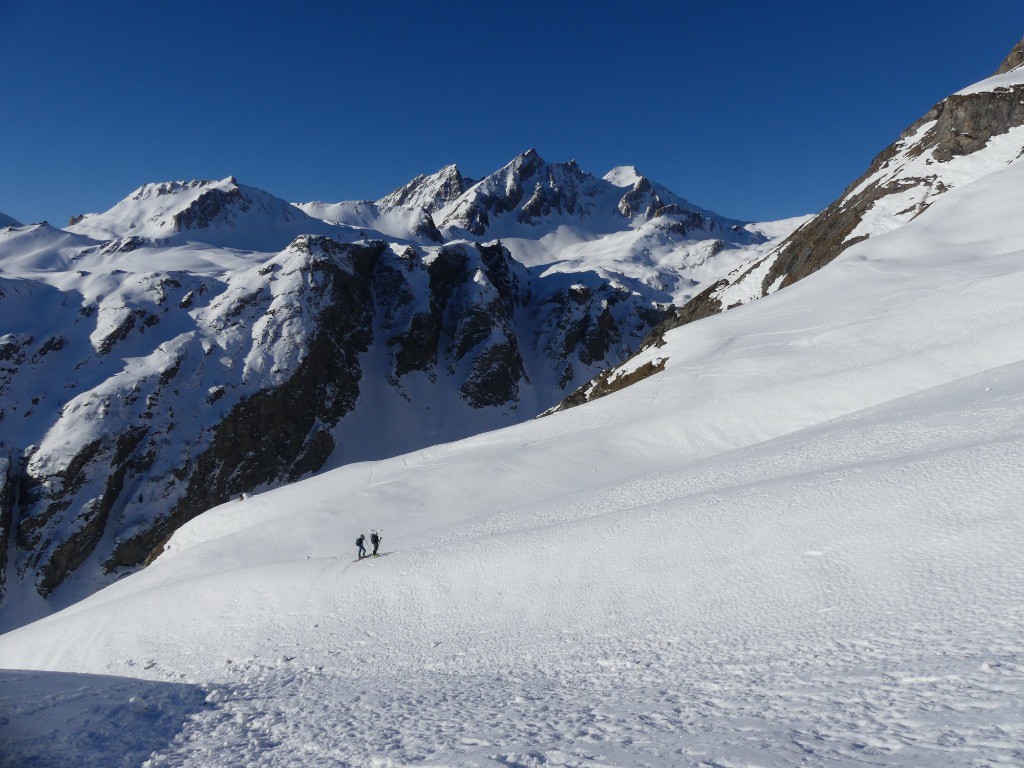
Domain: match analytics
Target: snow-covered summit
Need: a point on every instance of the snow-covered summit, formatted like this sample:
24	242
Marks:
623	176
8	221
529	197
428	192
560	216
223	213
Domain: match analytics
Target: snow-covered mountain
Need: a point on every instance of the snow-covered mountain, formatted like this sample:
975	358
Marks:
205	339
799	544
558	216
222	213
973	133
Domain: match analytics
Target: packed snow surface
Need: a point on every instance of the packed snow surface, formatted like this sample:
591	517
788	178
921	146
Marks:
801	544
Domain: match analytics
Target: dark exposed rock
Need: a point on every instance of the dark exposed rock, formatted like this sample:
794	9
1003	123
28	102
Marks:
1013	60
447	271
207	207
428	230
13	351
497	263
52	344
76	548
964	124
120	333
606	383
416	347
8	497
279	434
551	194
127	245
474	216
494	377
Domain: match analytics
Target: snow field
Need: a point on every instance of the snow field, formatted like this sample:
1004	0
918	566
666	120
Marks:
767	607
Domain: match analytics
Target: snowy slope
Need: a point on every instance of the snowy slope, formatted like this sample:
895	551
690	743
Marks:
800	544
974	132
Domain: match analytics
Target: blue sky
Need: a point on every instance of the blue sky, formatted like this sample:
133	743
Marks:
756	110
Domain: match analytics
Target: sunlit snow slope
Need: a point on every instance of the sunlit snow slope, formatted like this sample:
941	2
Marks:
205	339
800	544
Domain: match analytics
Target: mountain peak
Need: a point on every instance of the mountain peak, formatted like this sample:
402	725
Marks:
220	212
623	176
1014	60
530	160
429	192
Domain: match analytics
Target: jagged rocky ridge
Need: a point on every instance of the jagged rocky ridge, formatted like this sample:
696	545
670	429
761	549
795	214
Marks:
163	358
971	133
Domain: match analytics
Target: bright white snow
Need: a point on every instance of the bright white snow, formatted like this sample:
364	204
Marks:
801	544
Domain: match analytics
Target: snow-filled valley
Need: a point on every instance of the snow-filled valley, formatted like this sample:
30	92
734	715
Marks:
799	544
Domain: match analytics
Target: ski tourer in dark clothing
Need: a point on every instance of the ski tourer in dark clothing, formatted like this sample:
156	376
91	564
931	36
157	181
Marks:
361	542
375	540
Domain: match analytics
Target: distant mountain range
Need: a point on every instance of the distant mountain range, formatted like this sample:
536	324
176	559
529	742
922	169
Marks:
204	339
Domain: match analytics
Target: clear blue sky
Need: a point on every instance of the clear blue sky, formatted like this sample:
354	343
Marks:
757	110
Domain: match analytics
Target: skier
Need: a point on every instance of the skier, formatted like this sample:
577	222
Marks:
375	540
360	542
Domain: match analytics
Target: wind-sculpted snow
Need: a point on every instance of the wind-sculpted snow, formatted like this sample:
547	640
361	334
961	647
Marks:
799	544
